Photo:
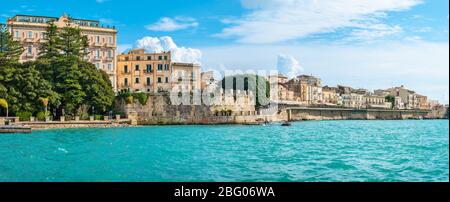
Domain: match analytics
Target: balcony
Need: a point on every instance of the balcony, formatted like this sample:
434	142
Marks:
98	44
110	45
29	40
108	59
96	58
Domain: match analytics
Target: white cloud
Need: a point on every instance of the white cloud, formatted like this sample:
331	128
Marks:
166	43
169	24
123	48
289	66
271	21
373	32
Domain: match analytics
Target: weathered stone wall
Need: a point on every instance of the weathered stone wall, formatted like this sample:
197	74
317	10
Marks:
160	111
353	114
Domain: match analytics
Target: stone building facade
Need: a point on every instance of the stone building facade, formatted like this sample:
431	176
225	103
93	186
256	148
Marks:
139	71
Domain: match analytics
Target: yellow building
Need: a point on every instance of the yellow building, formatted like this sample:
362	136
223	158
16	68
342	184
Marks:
330	95
30	31
152	72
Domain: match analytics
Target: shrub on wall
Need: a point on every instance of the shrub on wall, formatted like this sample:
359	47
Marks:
141	97
24	116
41	116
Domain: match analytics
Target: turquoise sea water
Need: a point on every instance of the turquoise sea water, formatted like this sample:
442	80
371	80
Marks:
307	151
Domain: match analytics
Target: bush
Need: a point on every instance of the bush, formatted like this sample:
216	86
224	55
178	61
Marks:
141	97
84	116
41	116
98	117
24	116
129	100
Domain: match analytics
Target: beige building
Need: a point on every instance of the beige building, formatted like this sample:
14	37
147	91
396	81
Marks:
152	72
377	101
353	100
208	81
408	99
330	95
307	88
30	32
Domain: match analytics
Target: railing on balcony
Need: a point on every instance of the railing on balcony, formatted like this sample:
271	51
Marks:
29	40
109	59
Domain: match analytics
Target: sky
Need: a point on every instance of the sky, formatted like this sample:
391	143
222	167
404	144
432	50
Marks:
369	44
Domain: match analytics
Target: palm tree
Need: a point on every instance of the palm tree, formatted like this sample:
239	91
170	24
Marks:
44	102
4	104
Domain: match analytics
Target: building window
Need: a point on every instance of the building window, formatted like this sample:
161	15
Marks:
125	81
42	35
97	65
138	58
17	34
137	80
149	68
125	69
109	67
110	40
159	80
97	53
160	67
30	50
160	57
165	57
30	34
149	81
110	53
98	39
136	68
149	57
167	79
166	67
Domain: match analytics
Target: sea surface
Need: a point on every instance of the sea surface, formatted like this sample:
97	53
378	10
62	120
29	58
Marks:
315	151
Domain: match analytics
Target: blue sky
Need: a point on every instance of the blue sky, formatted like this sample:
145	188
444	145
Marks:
370	44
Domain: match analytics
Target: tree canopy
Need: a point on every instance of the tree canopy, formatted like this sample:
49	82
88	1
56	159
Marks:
258	85
59	75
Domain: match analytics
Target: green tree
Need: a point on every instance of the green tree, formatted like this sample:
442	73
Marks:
97	86
71	43
391	99
10	50
258	85
48	49
60	61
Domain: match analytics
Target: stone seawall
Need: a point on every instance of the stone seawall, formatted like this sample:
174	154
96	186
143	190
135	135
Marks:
55	125
297	114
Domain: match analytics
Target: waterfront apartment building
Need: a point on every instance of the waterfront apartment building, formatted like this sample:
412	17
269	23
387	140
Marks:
330	95
307	88
139	71
30	32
